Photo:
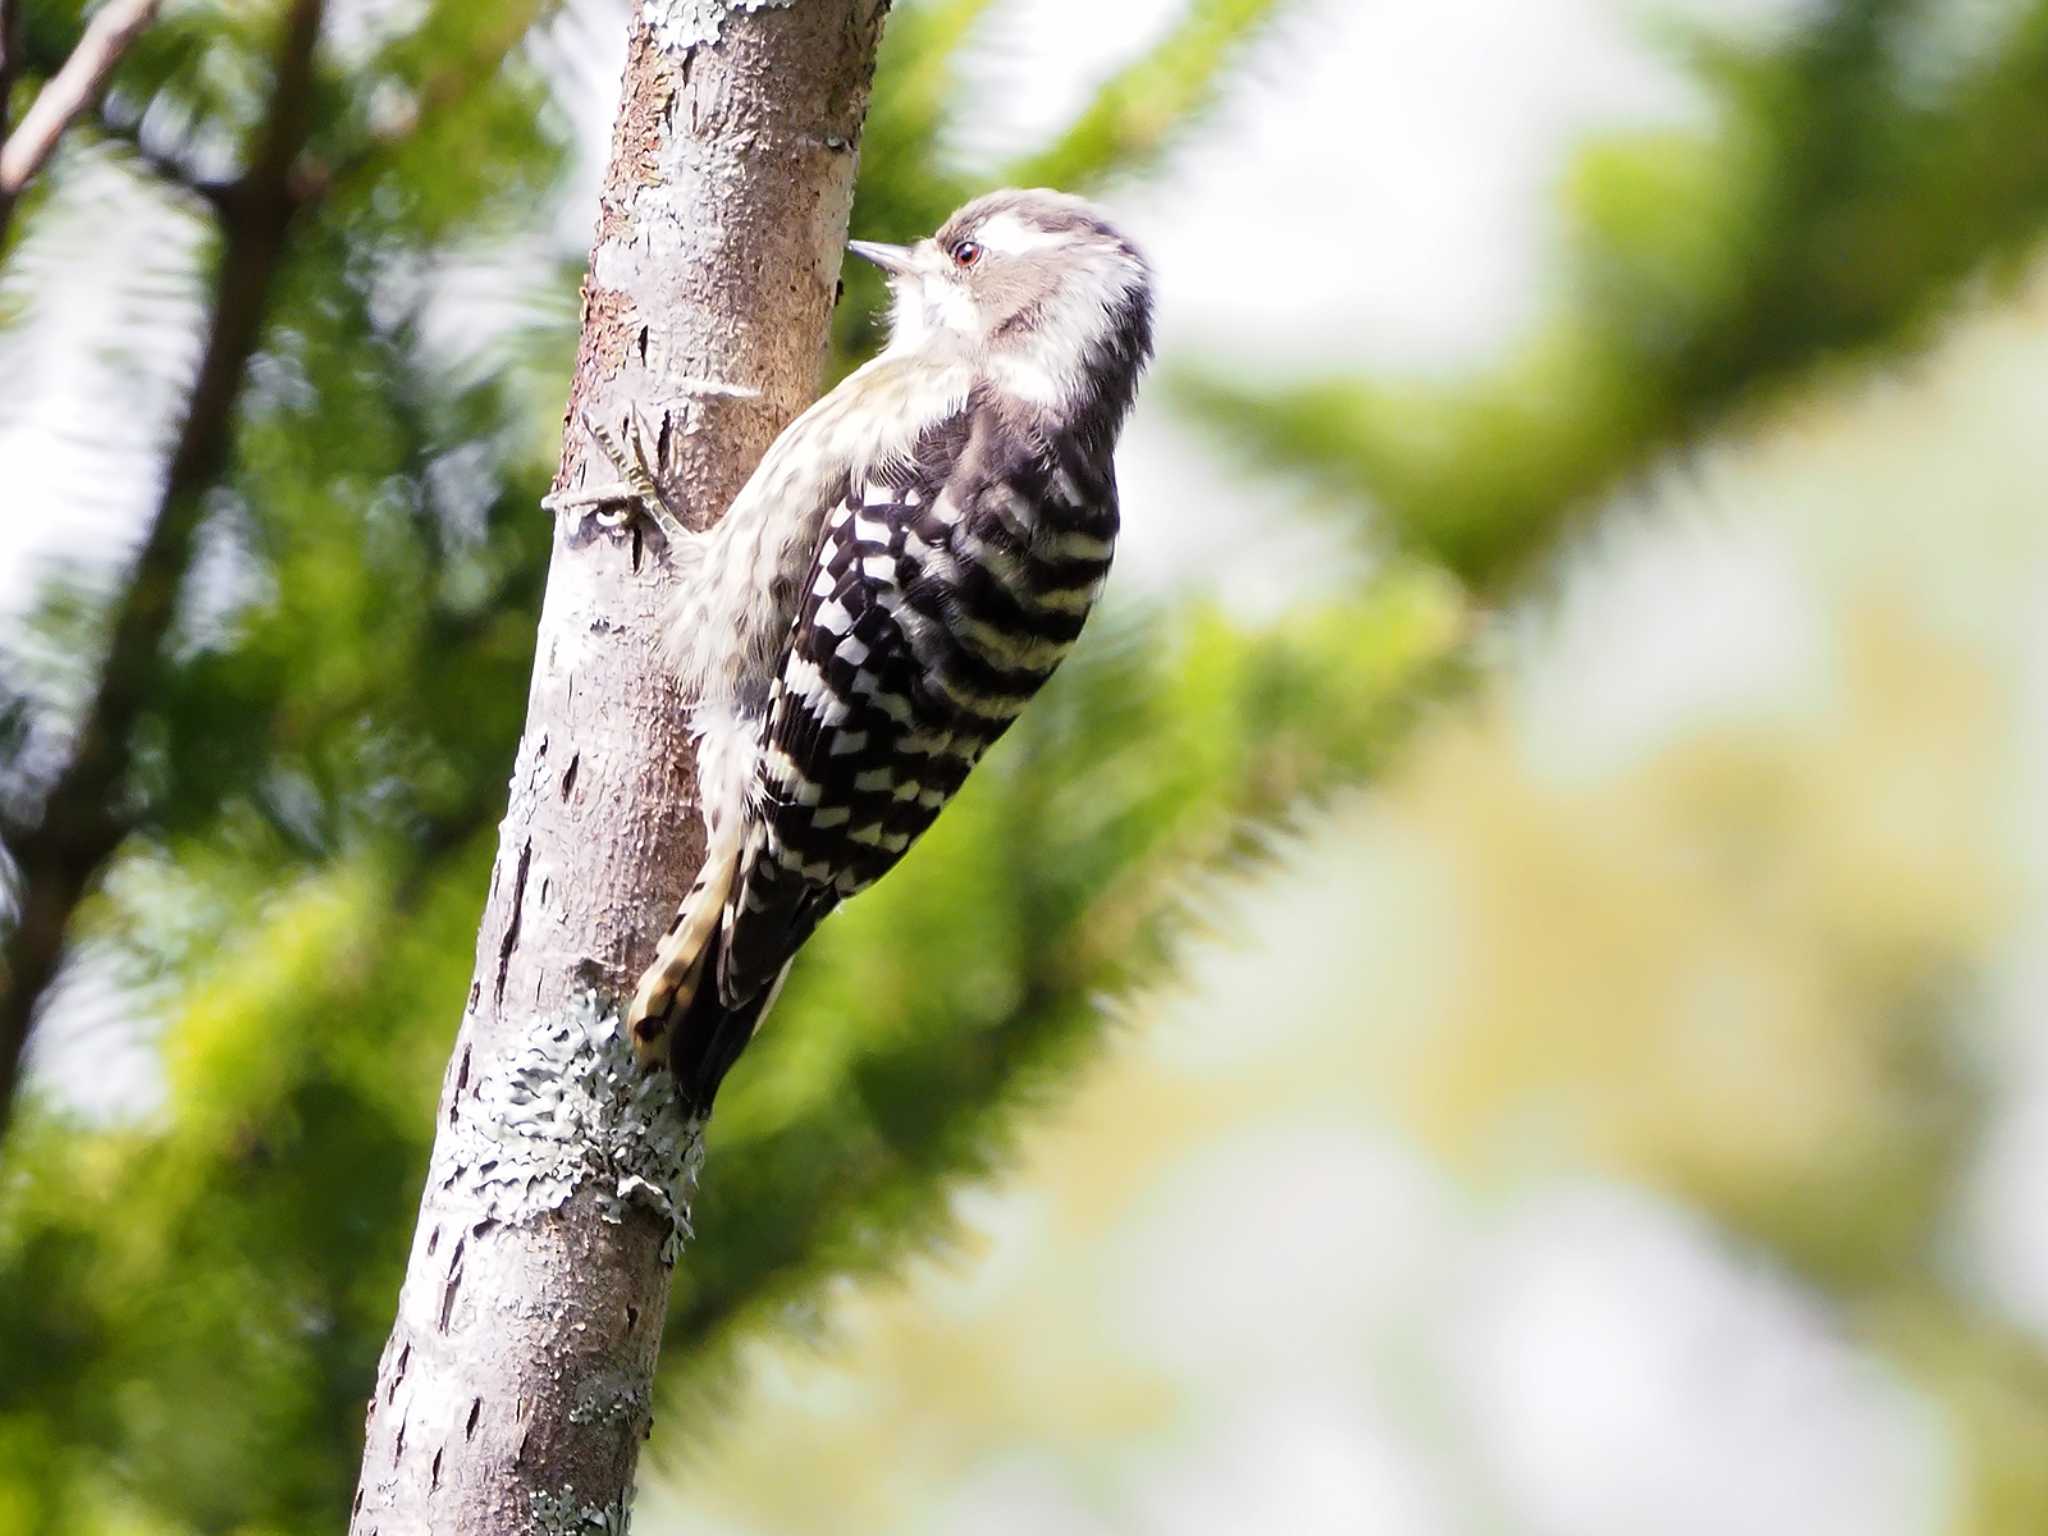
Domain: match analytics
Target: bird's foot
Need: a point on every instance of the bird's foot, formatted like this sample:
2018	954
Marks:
637	490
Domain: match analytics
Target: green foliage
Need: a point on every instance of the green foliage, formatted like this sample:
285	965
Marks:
1840	199
191	1305
923	1013
1138	111
1856	183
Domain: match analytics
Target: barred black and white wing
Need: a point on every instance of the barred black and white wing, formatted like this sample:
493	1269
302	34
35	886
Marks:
943	593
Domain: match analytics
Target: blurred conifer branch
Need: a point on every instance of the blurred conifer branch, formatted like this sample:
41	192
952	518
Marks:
1842	199
59	849
1137	112
1155	768
81	820
10	62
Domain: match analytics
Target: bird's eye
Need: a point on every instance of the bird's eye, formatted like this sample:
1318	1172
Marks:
966	253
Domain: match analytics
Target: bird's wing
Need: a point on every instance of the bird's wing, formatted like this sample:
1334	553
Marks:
840	773
943	592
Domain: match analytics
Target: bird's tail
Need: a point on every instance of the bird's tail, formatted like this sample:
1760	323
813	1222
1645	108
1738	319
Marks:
678	1015
707	1033
670	983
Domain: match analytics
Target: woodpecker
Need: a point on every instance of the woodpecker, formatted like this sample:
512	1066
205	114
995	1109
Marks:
910	561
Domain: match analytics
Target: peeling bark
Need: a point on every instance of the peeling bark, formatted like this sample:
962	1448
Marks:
517	1384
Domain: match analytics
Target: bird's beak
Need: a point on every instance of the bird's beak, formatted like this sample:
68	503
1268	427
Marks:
890	258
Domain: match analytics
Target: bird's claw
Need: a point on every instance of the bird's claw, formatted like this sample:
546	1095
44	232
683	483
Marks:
637	490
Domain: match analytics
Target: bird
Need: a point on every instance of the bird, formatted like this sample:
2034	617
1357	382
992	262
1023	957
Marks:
908	564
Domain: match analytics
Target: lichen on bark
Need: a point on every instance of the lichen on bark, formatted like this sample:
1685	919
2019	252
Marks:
570	1106
679	25
563	1514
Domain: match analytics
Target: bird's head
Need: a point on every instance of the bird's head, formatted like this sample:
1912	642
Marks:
1038	288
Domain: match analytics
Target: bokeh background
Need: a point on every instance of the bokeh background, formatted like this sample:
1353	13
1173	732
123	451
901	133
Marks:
1501	992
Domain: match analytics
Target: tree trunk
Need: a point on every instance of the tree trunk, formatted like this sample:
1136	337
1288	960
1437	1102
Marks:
517	1384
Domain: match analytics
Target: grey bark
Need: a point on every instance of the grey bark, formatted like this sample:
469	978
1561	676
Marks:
517	1384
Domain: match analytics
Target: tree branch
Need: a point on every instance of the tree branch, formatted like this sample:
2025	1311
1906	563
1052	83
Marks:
442	89
313	181
10	62
69	92
517	1383
82	820
54	869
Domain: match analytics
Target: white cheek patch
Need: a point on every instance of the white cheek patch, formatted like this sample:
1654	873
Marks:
1011	236
1049	366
